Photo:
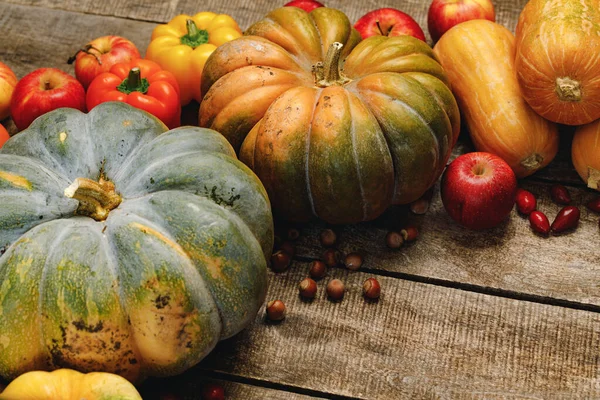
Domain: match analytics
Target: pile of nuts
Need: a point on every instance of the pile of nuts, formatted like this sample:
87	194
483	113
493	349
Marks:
332	257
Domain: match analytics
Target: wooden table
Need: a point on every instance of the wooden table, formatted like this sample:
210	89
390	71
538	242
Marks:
504	314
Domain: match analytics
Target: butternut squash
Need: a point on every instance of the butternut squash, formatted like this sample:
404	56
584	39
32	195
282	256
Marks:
558	59
477	57
585	153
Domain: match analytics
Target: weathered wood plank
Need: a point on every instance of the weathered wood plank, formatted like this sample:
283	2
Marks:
34	39
509	257
248	11
418	341
188	386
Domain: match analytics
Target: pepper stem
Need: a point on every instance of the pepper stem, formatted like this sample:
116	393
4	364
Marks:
194	37
96	199
331	74
134	82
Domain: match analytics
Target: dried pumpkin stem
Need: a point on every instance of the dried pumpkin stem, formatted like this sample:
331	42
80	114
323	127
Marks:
593	181
532	162
96	199
568	89
331	67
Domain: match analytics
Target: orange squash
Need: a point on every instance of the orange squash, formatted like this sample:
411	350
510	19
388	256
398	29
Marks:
558	59
67	384
477	56
585	153
336	128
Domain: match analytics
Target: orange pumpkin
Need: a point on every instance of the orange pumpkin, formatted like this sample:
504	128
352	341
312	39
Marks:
558	59
67	384
477	56
585	153
334	128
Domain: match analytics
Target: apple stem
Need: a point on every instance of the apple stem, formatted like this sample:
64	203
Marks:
379	27
330	74
86	50
47	85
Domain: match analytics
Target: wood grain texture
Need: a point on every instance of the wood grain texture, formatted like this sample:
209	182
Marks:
189	386
49	38
417	342
248	11
509	257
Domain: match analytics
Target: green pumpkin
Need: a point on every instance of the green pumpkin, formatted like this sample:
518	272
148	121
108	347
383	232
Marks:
126	248
336	128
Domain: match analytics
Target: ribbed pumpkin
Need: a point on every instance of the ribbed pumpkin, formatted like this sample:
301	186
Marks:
335	128
67	384
127	249
558	59
585	153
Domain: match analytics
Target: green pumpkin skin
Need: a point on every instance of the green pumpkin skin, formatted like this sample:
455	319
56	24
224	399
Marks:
337	138
177	266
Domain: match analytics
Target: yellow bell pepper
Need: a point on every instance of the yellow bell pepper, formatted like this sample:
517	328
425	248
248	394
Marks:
183	45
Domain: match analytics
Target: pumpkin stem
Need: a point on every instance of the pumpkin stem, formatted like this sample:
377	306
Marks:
532	162
593	178
96	199
568	89
331	67
194	37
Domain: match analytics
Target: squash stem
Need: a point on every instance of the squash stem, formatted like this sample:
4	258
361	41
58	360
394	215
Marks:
568	89
331	67
532	162
96	199
593	181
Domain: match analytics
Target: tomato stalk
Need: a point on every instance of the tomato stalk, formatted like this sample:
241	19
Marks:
195	37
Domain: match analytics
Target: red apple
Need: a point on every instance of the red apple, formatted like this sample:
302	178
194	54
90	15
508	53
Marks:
444	14
306	5
479	190
8	81
99	55
388	22
44	90
4	136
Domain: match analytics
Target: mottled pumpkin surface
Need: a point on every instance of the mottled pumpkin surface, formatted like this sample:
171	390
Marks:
339	139
179	264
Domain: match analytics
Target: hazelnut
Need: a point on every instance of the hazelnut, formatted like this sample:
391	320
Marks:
409	233
293	234
331	257
280	261
335	289
276	310
328	237
353	261
308	288
317	270
394	240
371	289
